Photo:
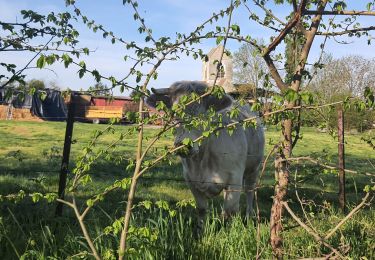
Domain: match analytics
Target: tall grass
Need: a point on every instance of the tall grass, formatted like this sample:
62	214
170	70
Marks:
32	231
157	234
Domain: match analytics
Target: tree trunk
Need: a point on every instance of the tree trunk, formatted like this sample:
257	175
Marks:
282	178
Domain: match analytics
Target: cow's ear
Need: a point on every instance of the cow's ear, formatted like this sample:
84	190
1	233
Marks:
218	103
154	99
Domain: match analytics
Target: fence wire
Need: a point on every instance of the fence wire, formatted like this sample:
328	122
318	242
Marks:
24	140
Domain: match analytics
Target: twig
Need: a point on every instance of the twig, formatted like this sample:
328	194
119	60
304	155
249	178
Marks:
268	12
316	236
351	213
82	225
310	12
349	31
307	158
27	65
219	64
300	202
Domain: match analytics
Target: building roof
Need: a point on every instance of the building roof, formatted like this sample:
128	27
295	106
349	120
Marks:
113	97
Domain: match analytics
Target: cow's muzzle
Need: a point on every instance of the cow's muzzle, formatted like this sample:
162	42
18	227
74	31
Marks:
184	151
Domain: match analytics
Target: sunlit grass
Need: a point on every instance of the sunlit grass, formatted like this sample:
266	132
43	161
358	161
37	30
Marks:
30	160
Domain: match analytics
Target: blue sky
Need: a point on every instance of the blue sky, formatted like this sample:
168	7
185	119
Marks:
165	17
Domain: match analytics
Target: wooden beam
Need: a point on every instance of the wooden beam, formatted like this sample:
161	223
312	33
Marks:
66	153
341	153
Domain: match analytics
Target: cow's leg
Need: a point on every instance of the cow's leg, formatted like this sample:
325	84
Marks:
250	178
232	200
202	204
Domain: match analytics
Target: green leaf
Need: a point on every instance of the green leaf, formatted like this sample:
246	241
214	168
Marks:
146	204
43	95
90	202
368	6
41	62
219	39
96	74
36	196
187	141
50	197
236	28
307	98
50	59
291	95
67	59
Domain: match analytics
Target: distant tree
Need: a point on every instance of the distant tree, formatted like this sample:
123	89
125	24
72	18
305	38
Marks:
99	89
54	85
336	80
349	75
249	66
36	84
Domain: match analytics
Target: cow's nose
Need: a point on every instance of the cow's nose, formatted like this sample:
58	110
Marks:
177	144
182	151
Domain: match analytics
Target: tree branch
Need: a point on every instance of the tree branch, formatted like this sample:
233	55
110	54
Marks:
268	12
349	31
312	12
310	35
307	158
351	213
275	73
316	236
84	230
291	24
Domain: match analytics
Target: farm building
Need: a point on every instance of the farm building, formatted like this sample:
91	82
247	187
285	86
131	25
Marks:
102	108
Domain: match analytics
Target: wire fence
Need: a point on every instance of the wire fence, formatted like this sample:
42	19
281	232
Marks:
23	142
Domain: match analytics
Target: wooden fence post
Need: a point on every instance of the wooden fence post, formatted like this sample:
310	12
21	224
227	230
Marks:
66	153
341	153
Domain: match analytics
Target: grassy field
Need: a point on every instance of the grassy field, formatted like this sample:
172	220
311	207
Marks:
30	158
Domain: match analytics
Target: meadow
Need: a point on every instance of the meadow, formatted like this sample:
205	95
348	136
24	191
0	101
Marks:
163	217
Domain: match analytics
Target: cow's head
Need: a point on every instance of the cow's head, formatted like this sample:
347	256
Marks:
172	95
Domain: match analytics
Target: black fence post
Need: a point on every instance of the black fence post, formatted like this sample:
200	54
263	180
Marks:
341	153
66	154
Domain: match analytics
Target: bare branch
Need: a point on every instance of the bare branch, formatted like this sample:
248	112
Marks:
311	12
349	31
307	158
315	235
82	225
351	213
310	35
254	17
291	24
268	12
84	230
275	73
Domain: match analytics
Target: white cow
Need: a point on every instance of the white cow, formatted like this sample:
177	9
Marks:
226	162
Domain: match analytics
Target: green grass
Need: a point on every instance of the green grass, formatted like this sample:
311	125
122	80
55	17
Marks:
30	158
